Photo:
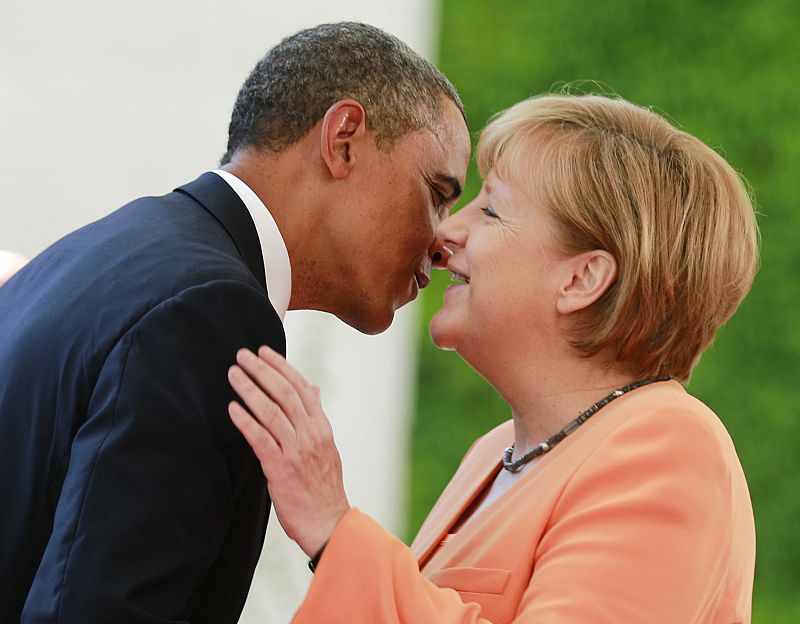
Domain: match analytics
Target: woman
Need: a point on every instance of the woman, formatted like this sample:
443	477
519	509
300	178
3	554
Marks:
602	254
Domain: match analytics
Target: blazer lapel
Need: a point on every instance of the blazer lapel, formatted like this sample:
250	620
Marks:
216	196
479	467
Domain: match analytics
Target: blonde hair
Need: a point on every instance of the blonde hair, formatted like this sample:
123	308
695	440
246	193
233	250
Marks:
674	214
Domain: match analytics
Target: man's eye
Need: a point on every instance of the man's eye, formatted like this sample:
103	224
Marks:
489	212
439	198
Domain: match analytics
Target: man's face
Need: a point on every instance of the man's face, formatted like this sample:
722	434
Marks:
397	201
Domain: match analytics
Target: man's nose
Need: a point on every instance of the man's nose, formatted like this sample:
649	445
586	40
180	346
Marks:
439	253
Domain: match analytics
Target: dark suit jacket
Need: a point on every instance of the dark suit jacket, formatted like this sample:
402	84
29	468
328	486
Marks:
126	494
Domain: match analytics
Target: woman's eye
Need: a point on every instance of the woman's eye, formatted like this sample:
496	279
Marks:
489	212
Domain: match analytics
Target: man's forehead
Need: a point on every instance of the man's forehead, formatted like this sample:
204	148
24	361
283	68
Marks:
451	149
450	129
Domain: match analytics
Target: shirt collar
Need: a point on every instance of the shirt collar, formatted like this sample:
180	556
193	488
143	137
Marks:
277	267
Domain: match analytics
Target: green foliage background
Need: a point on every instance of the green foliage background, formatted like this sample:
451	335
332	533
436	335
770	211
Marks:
728	73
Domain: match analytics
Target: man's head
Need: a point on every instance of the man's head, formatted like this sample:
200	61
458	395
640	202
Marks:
293	86
359	147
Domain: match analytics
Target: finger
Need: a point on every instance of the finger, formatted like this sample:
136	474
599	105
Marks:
260	440
308	393
262	407
274	384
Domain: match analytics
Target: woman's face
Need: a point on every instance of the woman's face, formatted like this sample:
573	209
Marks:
508	268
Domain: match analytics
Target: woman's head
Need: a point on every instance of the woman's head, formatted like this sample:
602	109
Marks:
671	211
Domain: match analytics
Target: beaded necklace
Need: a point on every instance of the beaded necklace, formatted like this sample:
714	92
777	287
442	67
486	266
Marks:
543	447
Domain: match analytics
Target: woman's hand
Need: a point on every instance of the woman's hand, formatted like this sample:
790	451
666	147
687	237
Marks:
293	440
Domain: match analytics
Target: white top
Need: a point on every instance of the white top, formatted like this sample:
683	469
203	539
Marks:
277	267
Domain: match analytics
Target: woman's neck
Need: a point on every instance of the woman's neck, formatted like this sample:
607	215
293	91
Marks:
554	395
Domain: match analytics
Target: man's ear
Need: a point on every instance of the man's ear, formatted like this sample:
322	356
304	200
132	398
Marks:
591	274
344	124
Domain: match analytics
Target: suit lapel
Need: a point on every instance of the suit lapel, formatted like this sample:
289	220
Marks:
479	467
216	196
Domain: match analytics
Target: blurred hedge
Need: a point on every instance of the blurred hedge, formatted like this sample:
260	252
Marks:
726	72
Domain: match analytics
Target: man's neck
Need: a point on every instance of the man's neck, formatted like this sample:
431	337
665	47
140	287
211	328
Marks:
281	183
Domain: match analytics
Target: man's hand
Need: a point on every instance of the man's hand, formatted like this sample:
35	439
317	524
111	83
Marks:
293	440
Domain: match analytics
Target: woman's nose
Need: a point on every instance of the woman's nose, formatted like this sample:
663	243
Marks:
439	253
450	234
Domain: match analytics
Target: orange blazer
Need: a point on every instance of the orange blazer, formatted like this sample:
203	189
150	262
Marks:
641	515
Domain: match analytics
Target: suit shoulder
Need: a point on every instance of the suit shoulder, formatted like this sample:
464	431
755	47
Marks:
670	413
666	433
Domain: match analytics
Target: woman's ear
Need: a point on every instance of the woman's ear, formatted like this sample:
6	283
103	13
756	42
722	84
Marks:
343	125
592	274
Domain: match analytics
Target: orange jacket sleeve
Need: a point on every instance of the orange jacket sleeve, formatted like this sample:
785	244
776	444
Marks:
370	576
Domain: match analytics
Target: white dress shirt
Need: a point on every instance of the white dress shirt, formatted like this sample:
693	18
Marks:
277	267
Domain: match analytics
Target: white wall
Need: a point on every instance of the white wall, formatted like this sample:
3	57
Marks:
102	102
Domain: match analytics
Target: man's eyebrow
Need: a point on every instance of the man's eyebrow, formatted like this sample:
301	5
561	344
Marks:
450	181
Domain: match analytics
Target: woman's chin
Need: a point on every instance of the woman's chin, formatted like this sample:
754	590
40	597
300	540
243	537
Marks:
442	333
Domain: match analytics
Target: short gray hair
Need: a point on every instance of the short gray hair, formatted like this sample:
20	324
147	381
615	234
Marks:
293	86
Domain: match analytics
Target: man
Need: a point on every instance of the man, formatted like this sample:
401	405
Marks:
126	493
